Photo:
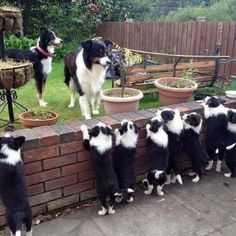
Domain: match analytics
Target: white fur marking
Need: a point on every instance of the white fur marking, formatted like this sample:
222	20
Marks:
196	129
230	147
158	173
102	212
84	130
150	188
159	190
42	103
214	111
47	65
218	166
179	179
18	233
210	165
217	151
196	179
228	175
13	157
30	233
111	211
168	181
130	190
231	127
131	199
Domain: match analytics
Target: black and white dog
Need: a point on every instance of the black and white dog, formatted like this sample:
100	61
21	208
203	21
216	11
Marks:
85	73
41	57
230	144
157	148
13	190
174	125
98	141
124	156
191	144
216	130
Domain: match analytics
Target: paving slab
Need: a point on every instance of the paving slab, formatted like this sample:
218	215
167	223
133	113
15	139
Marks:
203	209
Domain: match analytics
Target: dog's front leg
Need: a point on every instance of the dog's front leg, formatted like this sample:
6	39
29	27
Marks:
84	105
95	102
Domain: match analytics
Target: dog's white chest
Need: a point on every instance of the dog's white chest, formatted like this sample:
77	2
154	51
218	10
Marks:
47	65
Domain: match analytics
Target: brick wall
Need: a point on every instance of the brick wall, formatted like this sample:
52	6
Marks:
58	168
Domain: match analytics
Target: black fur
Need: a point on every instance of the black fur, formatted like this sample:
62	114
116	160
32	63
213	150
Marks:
13	189
230	160
192	146
124	161
35	56
106	181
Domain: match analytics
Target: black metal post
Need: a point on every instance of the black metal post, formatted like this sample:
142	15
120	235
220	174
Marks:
2	47
9	105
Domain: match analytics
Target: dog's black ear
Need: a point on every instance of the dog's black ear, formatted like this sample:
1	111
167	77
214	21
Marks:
43	28
107	42
19	141
87	44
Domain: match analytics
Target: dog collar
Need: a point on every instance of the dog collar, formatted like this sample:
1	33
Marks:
47	54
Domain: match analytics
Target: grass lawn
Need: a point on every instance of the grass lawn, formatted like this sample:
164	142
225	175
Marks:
58	97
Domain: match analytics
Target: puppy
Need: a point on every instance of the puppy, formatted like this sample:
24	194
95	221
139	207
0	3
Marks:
230	160
98	141
216	130
157	147
174	125
124	157
191	144
13	190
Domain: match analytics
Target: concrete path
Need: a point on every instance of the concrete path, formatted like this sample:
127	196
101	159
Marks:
205	208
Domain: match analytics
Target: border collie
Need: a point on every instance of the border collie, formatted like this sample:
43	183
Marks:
124	156
216	130
191	144
85	73
98	141
13	190
230	144
158	151
174	125
41	57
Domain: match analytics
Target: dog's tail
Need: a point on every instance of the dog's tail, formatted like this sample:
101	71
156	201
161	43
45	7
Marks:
68	65
230	147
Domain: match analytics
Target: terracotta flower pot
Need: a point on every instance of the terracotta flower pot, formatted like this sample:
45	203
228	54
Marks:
116	104
172	95
30	123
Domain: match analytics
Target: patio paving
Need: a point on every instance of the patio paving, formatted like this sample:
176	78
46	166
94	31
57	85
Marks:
205	208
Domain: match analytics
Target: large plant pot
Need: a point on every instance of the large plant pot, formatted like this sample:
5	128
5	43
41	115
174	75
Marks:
30	123
10	19
172	95
115	104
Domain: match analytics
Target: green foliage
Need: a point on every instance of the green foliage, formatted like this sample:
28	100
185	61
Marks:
23	42
222	10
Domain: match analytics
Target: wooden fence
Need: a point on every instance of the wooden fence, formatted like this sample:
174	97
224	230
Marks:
193	38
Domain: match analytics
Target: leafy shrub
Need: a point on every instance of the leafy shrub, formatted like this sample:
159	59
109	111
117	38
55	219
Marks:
23	42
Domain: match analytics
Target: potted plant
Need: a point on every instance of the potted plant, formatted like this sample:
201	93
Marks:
30	119
10	18
123	99
174	90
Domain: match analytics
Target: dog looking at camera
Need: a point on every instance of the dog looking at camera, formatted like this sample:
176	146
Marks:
85	73
158	151
98	141
124	156
13	189
174	129
216	130
191	144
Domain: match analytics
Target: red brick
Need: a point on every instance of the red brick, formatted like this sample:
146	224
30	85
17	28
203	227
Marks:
75	125
33	167
83	156
60	182
85	175
35	189
141	169
59	161
40	154
63	202
142	160
110	121
87	194
47	135
78	188
141	151
76	168
43	176
137	118
45	197
38	210
71	147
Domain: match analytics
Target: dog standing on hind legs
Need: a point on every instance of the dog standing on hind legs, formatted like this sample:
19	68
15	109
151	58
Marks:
13	189
157	148
98	142
174	129
124	156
